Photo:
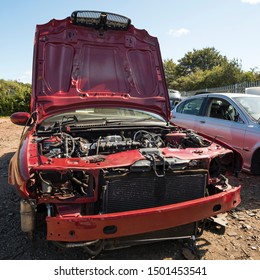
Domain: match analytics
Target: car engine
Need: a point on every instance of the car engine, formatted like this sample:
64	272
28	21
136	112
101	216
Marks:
62	145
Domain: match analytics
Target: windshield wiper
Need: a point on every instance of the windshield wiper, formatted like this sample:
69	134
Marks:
131	120
105	121
69	120
58	125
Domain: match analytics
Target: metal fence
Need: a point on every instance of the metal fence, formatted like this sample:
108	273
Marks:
230	88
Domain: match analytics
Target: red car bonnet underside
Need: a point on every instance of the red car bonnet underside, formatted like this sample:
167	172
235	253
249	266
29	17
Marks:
77	66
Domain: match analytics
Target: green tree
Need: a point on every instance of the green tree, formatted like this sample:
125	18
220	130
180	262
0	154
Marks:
205	59
169	71
252	75
206	68
194	81
228	73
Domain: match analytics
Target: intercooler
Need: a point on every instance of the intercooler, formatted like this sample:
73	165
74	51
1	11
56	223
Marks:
145	190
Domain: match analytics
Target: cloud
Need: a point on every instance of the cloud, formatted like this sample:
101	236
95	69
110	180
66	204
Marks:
178	32
251	2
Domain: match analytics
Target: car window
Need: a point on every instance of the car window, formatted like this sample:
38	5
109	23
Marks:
221	109
191	107
251	104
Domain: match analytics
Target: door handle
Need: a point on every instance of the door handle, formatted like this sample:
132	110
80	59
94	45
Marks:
202	121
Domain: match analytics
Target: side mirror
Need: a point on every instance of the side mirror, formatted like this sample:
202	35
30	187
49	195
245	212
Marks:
20	118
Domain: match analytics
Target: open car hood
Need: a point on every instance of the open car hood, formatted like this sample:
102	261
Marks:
96	59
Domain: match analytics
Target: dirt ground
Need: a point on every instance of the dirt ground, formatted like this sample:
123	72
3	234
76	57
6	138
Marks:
240	240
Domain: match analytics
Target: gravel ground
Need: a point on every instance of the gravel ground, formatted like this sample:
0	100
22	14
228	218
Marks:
239	241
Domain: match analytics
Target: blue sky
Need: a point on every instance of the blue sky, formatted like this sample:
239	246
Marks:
231	26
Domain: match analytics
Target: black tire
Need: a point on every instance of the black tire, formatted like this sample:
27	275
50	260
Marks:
255	164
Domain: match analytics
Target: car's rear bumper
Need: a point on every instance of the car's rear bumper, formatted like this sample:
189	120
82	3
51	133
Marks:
72	227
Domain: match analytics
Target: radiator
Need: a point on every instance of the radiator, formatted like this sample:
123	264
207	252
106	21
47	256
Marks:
146	190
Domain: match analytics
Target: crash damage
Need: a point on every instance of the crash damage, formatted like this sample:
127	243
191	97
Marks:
100	156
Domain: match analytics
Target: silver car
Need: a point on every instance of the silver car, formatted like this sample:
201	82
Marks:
233	118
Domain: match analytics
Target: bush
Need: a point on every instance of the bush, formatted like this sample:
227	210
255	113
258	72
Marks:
14	97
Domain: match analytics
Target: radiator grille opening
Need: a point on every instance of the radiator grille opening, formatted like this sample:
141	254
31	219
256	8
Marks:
141	191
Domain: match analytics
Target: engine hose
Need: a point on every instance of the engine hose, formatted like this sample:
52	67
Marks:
77	181
65	136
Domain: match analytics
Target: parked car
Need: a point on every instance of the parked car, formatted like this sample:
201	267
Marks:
175	97
201	92
253	90
230	117
100	157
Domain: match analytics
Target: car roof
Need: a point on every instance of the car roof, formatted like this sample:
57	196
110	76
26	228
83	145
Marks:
228	94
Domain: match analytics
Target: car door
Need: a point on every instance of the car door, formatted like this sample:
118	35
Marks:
187	112
224	121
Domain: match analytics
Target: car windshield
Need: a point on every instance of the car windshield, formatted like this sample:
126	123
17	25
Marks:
104	114
251	104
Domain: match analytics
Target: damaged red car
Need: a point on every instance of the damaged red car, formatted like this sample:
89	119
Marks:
100	156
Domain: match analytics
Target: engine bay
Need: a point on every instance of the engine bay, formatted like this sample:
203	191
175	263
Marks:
94	144
74	141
